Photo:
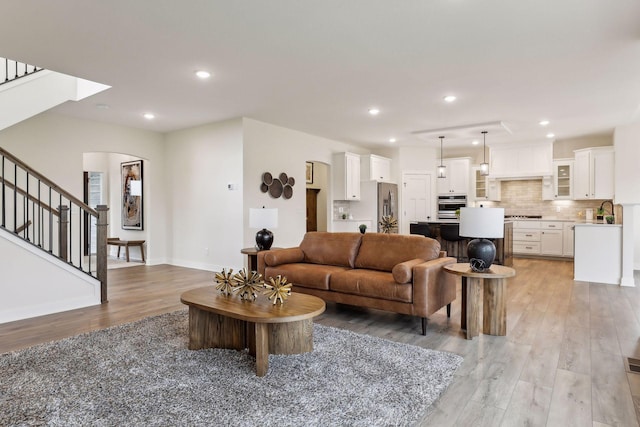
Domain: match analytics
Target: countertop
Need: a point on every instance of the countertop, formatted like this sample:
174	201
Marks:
577	221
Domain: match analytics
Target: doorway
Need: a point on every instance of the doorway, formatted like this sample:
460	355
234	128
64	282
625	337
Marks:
317	186
93	195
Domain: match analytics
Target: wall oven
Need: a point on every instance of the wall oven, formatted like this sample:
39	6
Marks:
449	204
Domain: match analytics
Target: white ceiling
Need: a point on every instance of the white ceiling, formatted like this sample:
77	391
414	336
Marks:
318	66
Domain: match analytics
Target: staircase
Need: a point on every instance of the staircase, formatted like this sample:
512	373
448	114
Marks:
26	90
46	264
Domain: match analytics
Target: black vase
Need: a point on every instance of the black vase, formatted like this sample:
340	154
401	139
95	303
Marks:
481	254
264	239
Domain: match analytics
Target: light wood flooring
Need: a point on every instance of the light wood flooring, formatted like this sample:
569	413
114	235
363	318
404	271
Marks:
562	362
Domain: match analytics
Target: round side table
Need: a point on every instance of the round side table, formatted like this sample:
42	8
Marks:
493	285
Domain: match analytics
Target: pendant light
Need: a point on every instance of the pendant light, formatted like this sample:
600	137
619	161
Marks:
484	166
442	169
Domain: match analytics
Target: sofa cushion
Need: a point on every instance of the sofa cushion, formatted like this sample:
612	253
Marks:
331	248
403	272
306	275
370	283
383	251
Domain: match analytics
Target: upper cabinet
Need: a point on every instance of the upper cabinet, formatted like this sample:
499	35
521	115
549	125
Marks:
457	176
484	187
594	173
563	179
346	176
375	168
522	160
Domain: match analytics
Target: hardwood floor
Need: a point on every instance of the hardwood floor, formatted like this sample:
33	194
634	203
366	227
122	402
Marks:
562	362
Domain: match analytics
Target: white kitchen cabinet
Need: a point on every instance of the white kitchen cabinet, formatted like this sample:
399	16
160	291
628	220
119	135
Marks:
547	238
375	168
594	173
484	187
346	176
563	179
526	237
457	176
522	160
567	237
551	238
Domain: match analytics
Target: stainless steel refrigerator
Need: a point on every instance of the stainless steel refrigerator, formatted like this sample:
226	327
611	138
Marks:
377	199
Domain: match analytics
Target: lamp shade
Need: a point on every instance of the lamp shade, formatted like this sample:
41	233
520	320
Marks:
487	223
263	218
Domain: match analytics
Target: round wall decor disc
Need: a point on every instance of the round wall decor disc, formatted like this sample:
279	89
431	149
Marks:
288	191
267	178
275	189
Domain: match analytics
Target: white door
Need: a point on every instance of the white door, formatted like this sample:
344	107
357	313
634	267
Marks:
416	198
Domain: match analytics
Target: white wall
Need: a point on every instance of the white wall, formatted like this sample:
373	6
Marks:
55	144
563	148
270	148
627	177
27	279
205	220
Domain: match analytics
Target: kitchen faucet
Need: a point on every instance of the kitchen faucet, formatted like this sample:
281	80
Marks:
607	201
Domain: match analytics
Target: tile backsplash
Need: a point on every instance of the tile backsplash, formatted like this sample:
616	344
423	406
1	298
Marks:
524	197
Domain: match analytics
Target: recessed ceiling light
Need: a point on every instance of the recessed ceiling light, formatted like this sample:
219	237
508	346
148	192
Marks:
449	98
550	135
392	140
374	111
149	116
543	122
203	74
475	142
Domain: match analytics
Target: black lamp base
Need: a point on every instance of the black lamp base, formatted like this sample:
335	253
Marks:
264	240
481	254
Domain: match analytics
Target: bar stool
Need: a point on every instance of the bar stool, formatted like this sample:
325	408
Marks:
422	229
454	244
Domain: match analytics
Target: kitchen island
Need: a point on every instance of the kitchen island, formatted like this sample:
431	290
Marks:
458	249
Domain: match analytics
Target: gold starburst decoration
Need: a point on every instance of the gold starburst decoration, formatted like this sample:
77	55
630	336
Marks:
248	284
277	289
226	281
388	224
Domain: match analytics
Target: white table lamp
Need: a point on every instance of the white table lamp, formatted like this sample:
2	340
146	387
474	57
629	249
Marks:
481	224
263	218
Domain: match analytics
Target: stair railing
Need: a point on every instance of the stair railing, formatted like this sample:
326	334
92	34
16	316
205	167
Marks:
12	70
40	212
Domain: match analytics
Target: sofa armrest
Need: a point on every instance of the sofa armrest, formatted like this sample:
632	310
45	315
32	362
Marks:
433	287
403	272
442	254
278	257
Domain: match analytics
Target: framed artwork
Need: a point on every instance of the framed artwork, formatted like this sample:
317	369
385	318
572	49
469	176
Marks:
131	187
309	173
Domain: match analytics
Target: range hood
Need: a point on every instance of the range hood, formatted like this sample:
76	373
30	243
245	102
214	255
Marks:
522	178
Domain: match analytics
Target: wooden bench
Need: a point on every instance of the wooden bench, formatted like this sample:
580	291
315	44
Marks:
115	241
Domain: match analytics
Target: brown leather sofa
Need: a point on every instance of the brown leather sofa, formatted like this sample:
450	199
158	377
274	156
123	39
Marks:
392	272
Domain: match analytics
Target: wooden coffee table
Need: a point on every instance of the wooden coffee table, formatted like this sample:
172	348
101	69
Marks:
494	287
219	321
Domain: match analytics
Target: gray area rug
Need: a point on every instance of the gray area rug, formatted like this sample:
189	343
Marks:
143	374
